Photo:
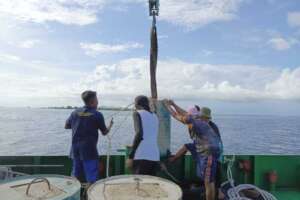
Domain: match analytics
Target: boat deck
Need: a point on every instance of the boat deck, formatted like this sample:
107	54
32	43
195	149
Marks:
287	186
288	195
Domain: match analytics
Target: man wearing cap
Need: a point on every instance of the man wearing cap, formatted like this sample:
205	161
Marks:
221	157
205	148
85	123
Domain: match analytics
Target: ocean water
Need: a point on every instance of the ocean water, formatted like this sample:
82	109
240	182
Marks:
32	131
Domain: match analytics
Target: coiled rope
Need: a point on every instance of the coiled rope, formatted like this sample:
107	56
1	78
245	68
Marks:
234	192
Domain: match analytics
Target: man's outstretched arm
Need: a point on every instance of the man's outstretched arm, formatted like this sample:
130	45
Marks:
68	123
178	116
67	126
181	152
107	130
178	108
100	122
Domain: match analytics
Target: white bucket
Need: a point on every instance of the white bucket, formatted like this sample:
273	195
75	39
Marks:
131	187
41	187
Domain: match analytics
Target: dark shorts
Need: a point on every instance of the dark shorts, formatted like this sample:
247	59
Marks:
207	168
206	165
87	168
145	167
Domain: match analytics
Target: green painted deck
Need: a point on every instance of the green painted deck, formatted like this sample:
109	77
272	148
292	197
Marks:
288	195
287	168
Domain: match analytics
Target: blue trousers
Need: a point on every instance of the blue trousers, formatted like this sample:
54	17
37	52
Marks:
88	168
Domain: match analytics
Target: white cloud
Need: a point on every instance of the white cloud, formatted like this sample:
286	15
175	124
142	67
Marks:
78	12
193	14
294	19
223	82
162	36
281	44
18	85
206	52
34	80
176	79
8	58
287	85
98	48
28	44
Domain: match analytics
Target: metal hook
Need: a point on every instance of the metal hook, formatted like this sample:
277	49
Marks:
153	7
36	181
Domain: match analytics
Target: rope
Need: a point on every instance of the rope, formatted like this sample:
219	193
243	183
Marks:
121	110
234	192
164	168
110	136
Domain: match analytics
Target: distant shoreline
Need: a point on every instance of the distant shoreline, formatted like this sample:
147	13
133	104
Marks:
112	108
75	107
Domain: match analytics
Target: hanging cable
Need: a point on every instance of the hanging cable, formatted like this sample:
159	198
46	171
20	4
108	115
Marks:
110	136
164	168
121	110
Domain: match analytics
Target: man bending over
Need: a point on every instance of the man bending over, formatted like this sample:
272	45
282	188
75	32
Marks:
206	144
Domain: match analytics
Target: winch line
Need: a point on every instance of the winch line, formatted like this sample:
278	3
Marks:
110	136
164	168
121	110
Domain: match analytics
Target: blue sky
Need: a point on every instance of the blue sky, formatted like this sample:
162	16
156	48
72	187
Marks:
233	55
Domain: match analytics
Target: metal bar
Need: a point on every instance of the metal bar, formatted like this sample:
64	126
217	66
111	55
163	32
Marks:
24	184
31	166
34	181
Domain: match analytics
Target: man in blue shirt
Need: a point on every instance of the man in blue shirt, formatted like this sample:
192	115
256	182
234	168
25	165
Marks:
85	123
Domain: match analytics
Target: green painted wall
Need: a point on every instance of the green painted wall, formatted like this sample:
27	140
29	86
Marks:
287	168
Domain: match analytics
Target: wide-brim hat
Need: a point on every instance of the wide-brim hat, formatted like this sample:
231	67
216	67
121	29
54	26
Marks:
205	112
